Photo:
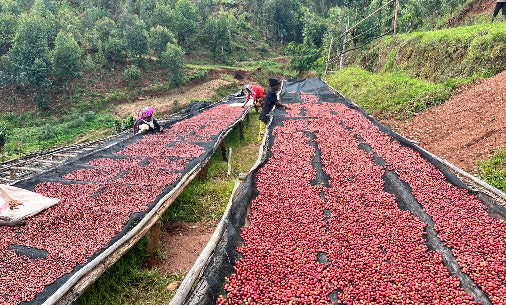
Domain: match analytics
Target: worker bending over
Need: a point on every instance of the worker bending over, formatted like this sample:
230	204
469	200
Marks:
255	93
271	99
146	121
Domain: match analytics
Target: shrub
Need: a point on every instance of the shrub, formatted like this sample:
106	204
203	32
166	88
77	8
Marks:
132	75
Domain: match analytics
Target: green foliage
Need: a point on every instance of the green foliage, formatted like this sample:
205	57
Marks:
159	36
132	75
27	135
105	28
92	15
127	282
282	19
172	59
218	33
186	22
206	200
8	22
113	50
302	56
389	95
29	54
66	56
162	15
493	171
136	38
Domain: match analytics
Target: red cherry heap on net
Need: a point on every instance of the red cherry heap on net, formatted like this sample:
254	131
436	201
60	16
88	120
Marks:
376	252
90	215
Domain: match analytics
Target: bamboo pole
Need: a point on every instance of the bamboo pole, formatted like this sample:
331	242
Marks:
396	9
328	56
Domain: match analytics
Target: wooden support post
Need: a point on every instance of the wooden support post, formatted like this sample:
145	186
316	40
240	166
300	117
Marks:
328	56
247	117
223	151
203	172
341	56
229	166
12	174
241	131
154	238
396	9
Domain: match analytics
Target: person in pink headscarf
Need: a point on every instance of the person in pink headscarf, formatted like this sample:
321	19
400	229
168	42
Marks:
146	121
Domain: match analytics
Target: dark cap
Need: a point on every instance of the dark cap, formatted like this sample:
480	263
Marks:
273	82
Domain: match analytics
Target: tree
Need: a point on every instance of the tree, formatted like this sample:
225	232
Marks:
29	54
92	15
46	10
172	59
186	22
66	56
314	30
8	22
159	36
218	33
136	38
282	19
206	8
162	15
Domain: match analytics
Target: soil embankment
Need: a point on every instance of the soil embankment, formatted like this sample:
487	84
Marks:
469	127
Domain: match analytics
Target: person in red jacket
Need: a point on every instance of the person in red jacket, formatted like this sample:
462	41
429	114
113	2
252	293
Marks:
257	94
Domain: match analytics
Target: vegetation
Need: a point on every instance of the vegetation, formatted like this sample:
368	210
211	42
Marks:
463	52
389	94
493	171
127	282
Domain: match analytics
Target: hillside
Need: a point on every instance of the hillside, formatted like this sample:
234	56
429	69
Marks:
469	127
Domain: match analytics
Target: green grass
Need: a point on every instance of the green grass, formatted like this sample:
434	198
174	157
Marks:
389	95
127	282
493	171
462	52
203	201
30	134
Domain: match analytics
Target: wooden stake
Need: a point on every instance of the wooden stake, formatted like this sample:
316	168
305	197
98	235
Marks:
396	9
203	172
328	56
229	166
241	131
154	238
223	150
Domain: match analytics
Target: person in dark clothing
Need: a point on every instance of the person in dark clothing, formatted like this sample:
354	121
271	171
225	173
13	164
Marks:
501	4
146	121
271	100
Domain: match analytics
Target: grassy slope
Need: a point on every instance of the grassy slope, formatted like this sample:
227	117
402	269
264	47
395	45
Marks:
389	95
493	171
127	282
459	53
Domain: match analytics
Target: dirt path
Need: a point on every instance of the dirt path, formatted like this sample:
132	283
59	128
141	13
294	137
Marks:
181	244
164	104
202	90
469	127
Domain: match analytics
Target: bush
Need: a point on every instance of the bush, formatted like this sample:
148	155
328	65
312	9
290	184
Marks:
66	56
132	75
173	60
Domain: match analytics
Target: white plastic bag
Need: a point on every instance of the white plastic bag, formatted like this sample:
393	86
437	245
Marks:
18	204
